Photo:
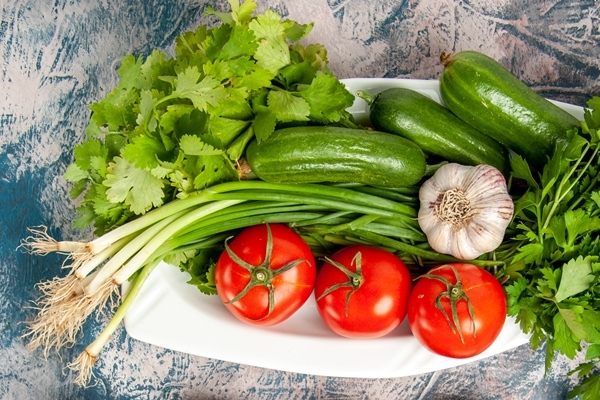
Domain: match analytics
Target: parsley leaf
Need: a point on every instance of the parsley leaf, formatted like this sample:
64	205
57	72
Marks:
576	277
589	387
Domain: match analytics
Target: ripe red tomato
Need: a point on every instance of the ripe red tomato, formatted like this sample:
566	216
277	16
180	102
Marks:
362	292
433	325
265	274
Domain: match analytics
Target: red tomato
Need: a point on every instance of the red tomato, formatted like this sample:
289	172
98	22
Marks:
479	329
369	301
263	287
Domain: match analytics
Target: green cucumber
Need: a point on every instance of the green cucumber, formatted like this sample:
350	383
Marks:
314	154
483	93
434	128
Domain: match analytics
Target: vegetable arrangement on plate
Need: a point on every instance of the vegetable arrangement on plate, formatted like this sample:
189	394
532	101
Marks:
238	162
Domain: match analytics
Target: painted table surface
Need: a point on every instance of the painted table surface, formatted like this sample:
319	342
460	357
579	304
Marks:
57	57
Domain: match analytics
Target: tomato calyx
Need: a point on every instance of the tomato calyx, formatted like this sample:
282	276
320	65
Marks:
262	274
454	293
355	279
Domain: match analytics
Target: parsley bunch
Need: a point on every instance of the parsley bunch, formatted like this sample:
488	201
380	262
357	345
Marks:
173	126
554	250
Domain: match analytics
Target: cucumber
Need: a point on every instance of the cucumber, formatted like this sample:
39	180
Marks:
314	154
434	128
483	93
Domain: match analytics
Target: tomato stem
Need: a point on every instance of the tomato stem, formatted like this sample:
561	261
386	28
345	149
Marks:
355	279
262	274
454	293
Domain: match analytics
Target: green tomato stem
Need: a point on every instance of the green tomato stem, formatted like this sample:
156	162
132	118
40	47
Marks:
454	293
355	279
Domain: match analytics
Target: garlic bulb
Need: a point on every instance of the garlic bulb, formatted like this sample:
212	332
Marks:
465	210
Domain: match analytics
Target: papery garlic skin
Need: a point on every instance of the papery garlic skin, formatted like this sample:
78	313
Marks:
465	210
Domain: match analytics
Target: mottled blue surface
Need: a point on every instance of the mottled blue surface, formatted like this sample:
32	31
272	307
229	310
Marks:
58	57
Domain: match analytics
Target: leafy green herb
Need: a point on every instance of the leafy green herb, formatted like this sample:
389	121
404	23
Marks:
553	284
200	265
173	126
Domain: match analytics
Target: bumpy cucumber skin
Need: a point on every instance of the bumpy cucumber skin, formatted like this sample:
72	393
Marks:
435	129
483	93
315	154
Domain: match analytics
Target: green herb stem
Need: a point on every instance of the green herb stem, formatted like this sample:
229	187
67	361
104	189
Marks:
561	192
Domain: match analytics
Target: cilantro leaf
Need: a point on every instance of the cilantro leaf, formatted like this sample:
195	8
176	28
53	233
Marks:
242	13
207	170
592	352
146	117
144	152
242	42
529	253
264	124
288	107
130	71
591	325
203	93
226	130
87	151
74	173
315	54
300	73
273	52
326	97
194	146
135	187
295	31
254	79
216	38
116	110
201	268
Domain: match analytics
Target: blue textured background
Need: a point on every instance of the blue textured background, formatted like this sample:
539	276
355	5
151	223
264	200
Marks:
58	57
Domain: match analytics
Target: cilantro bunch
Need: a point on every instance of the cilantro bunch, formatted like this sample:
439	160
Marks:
177	125
554	252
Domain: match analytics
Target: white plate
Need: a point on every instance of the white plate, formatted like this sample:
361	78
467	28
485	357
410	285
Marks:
170	313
